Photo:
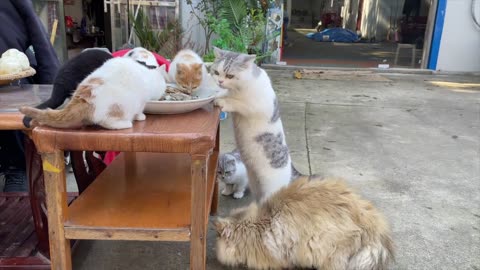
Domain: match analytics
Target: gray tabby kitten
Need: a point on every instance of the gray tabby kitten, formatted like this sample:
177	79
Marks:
232	172
259	134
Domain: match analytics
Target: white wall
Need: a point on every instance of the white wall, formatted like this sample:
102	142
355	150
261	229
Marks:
193	30
378	16
289	10
350	14
460	43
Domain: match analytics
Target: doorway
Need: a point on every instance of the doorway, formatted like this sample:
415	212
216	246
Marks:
358	33
84	25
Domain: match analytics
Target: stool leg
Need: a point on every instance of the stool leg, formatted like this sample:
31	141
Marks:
56	192
413	55
199	215
396	55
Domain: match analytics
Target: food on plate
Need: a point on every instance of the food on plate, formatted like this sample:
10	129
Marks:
176	94
13	61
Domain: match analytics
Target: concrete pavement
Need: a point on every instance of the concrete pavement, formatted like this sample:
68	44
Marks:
410	145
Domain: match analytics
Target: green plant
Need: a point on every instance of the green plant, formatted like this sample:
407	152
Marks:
170	40
235	12
235	25
247	22
166	42
226	39
145	34
204	11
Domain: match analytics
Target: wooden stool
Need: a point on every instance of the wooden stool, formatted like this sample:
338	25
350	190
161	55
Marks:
406	46
161	189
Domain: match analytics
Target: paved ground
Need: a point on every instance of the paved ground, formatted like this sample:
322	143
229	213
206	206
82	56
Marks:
407	145
306	52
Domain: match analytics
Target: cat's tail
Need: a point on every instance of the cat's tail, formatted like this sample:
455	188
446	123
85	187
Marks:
374	257
75	114
50	103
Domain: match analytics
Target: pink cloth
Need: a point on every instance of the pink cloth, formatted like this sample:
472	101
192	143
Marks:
111	155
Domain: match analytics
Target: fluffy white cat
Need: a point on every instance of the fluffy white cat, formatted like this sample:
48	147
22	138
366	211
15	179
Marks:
112	96
259	134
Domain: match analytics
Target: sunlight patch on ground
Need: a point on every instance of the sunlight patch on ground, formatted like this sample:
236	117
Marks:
304	31
458	86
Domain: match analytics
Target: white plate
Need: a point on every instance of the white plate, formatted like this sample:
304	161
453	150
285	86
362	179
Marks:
205	96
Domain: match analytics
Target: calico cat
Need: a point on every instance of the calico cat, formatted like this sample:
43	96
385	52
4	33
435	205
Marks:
70	75
232	172
188	71
310	223
112	96
249	96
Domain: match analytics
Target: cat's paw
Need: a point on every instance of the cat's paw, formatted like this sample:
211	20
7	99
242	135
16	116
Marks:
238	194
119	124
140	117
227	192
220	93
223	104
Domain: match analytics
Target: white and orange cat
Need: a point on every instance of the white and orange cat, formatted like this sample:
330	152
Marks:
188	71
112	96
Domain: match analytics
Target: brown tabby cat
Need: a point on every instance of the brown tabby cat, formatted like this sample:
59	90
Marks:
309	223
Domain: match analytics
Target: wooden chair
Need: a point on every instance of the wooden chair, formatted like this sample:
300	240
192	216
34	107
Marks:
23	217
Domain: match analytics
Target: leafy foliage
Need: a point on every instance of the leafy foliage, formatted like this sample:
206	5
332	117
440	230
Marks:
235	25
166	42
170	40
147	37
235	12
238	26
204	11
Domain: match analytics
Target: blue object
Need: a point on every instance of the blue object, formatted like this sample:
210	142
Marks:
83	26
223	115
334	35
437	34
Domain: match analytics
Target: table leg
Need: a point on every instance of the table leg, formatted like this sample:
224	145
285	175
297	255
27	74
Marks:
198	237
214	206
216	150
56	191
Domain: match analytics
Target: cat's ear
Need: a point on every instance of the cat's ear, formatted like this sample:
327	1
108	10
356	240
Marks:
162	68
180	67
163	71
197	66
231	161
223	227
248	59
217	52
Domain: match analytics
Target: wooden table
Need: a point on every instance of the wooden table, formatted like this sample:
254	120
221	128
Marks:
162	188
13	97
23	223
